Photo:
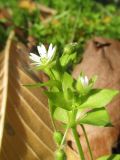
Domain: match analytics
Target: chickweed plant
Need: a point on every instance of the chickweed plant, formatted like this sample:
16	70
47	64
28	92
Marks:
71	101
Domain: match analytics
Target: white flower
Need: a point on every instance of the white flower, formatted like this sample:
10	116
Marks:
44	56
84	80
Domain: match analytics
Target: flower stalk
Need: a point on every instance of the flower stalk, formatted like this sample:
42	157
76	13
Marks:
86	137
79	147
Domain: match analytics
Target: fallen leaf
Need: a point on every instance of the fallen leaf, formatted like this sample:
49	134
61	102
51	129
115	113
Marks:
25	125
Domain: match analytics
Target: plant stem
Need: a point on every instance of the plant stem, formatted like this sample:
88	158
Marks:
64	137
80	151
90	151
51	117
52	73
50	107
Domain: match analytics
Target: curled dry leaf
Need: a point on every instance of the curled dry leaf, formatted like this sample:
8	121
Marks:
25	126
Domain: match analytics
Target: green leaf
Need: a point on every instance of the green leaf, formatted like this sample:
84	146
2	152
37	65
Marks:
60	114
58	99
92	81
50	83
99	98
110	157
67	81
97	117
66	59
55	71
52	107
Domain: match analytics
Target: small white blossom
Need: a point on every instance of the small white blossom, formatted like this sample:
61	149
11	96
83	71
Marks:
44	55
84	80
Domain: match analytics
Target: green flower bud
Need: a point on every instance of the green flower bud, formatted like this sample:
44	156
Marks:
70	48
69	54
82	84
60	155
58	136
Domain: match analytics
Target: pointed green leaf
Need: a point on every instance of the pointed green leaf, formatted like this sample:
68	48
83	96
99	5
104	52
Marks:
97	117
99	98
66	59
56	72
52	107
58	99
60	114
92	81
50	83
67	81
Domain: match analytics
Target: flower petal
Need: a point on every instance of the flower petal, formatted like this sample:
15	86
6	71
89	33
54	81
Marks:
42	50
36	64
86	81
51	51
34	57
54	49
82	80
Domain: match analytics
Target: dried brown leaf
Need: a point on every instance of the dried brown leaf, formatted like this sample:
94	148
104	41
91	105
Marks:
25	125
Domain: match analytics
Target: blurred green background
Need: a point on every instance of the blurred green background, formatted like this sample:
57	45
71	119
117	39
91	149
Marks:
59	21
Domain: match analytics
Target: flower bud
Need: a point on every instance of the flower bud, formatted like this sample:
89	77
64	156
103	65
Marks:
58	136
70	48
82	84
60	155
